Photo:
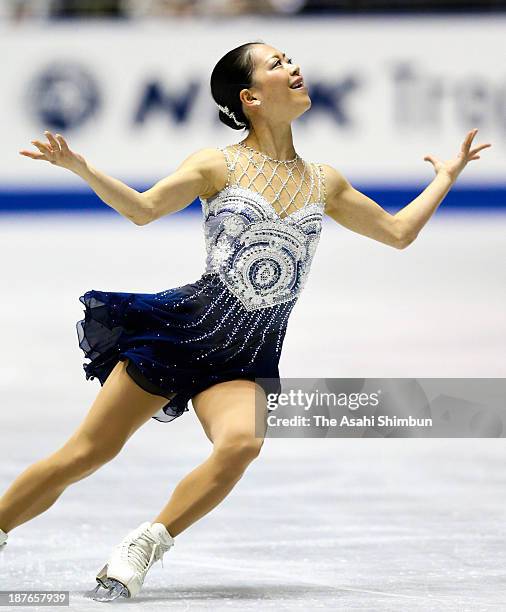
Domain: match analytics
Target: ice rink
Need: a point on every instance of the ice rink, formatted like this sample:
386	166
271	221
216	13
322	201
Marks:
331	524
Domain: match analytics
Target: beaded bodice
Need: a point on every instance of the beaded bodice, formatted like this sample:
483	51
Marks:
263	227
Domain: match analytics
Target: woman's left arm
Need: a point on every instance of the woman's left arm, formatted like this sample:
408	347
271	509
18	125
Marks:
359	213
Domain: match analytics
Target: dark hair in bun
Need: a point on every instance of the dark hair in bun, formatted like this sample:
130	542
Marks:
232	73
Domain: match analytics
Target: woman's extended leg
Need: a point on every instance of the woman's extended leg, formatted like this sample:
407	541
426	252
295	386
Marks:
232	414
119	409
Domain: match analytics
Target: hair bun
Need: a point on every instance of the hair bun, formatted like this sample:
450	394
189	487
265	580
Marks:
232	73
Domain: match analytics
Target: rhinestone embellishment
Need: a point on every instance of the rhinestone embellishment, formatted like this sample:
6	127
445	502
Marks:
263	258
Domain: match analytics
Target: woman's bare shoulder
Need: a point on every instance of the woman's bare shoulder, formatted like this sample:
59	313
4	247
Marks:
335	181
214	167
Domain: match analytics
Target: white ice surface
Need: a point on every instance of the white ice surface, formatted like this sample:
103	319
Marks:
331	524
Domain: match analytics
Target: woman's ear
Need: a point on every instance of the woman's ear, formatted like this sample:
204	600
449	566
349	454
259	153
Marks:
249	99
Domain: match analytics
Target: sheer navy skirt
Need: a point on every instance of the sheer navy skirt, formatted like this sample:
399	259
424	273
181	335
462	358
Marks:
182	340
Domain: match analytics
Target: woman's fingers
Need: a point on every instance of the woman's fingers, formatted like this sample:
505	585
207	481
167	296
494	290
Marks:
33	155
467	139
63	144
43	148
41	145
474	151
55	150
467	142
55	145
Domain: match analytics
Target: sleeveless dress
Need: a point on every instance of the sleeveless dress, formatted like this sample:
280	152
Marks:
261	232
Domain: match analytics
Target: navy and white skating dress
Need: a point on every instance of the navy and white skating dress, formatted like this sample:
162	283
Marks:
261	232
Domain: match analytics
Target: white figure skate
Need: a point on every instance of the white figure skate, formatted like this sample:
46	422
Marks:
3	539
123	575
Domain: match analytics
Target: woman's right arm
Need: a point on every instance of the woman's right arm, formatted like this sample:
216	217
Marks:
168	195
127	201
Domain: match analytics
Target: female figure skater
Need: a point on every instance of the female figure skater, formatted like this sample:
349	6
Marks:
209	340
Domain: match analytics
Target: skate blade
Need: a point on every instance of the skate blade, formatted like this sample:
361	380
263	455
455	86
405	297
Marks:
113	591
101	577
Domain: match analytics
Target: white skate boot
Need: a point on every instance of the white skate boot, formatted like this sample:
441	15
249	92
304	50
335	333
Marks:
123	575
3	539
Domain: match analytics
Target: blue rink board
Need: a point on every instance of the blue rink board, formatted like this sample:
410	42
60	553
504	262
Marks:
469	198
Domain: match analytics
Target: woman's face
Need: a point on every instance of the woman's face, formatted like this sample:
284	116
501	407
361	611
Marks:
273	76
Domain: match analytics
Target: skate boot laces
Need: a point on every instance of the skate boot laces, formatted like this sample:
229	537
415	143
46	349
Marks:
143	550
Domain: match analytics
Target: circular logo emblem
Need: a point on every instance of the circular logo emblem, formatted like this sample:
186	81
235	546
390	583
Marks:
63	96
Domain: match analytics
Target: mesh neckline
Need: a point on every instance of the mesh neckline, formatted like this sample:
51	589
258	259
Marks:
279	161
297	188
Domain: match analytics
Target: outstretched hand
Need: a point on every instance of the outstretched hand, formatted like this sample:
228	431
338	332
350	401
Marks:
56	152
453	167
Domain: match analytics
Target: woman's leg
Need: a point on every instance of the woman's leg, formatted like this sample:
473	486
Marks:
228	415
120	408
